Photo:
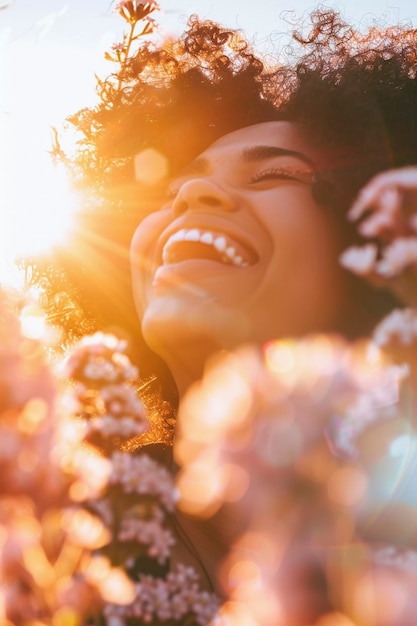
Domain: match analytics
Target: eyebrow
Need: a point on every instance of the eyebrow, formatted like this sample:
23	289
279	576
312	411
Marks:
201	165
261	153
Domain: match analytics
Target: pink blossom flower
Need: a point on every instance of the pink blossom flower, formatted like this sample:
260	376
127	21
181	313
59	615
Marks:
399	326
150	533
401	253
99	359
133	11
360	259
118	47
143	475
177	598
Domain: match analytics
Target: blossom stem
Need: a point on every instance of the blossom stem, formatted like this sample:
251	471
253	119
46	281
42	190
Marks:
126	54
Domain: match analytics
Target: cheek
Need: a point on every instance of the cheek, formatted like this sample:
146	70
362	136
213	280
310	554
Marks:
307	249
296	224
304	284
142	253
146	235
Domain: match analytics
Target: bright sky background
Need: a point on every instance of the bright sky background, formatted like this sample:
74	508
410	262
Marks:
49	51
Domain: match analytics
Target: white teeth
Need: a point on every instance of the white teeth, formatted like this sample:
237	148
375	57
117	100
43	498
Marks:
220	244
192	235
179	236
207	238
227	252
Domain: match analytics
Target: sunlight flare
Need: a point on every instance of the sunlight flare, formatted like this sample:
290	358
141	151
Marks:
41	206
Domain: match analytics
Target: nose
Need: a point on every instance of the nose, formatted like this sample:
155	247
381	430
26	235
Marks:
202	194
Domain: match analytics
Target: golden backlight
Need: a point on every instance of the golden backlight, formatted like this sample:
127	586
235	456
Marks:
37	201
43	85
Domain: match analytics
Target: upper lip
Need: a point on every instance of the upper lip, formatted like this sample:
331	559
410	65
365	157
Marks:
217	226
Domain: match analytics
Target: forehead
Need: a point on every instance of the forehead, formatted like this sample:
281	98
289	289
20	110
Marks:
282	134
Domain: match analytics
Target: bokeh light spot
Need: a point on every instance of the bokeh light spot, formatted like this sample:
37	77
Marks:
66	616
347	486
279	357
400	446
380	599
86	529
236	614
27	460
237	482
201	488
244	572
222	401
32	322
150	167
117	587
33	414
38	565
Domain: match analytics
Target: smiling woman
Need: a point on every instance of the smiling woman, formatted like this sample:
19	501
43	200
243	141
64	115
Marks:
251	165
238	240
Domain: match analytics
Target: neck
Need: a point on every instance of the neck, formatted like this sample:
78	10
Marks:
184	377
187	364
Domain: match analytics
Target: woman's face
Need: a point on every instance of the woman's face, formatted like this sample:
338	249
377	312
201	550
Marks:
240	251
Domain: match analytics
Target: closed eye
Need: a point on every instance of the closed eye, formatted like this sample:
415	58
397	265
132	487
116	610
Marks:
275	173
170	193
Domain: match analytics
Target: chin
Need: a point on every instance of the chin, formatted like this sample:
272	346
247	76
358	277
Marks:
171	325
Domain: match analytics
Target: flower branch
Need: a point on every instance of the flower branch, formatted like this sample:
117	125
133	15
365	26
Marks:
137	15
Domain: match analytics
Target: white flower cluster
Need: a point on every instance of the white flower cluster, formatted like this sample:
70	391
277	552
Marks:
403	559
140	519
395	258
100	358
157	600
123	412
143	475
360	259
149	532
399	326
103	393
377	400
139	491
401	253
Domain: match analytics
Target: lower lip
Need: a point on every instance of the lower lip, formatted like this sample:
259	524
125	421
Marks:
195	269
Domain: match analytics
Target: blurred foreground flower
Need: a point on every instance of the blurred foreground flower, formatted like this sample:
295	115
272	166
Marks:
40	561
134	503
83	523
275	458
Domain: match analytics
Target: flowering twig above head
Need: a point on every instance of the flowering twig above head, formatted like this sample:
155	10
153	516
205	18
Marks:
137	15
133	11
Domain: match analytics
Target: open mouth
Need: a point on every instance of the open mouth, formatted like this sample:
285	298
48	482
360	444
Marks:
194	243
